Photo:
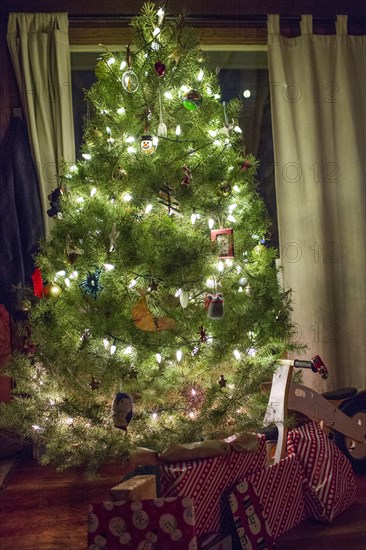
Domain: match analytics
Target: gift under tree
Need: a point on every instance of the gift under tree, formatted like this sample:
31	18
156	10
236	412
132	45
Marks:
158	310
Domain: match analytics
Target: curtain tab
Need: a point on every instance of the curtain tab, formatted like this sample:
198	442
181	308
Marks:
341	24
306	24
273	23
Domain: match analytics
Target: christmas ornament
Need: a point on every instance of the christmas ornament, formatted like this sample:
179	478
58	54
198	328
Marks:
122	410
130	81
160	68
184	298
162	129
224	242
37	283
51	290
245	166
91	284
94	384
167	199
72	251
144	319
222	382
224	189
192	100
228	126
148	144
113	236
215	306
187	176
55	202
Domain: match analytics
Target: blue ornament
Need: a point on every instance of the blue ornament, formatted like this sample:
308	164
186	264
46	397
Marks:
122	410
91	284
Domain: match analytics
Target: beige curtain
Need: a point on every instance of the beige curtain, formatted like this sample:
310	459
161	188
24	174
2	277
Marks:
39	48
318	94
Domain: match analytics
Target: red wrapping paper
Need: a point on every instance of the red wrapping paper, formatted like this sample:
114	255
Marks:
208	482
329	483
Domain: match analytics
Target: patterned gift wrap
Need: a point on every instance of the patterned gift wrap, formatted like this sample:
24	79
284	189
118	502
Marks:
208	482
329	483
158	524
268	503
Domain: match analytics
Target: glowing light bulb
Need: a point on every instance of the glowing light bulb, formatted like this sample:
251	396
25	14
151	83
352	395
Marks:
36	428
178	130
247	94
220	266
184	88
179	355
232	207
154	415
158	358
93	191
210	283
177	293
193	392
67	282
127	350
236	188
200	75
191	414
121	111
193	217
122	65
231	218
106	343
108	267
148	208
238	130
108	130
113	349
236	354
130	139
156	31
213	133
132	283
127	197
110	61
73	168
61	273
131	150
211	223
86	156
208	91
168	95
80	199
216	142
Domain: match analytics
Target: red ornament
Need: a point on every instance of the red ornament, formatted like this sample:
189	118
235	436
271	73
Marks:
245	166
160	68
187	176
37	283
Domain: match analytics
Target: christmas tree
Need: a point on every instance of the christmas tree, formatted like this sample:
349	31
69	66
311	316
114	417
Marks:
158	309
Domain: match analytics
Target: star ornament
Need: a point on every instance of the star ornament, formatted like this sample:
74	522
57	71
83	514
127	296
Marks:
91	284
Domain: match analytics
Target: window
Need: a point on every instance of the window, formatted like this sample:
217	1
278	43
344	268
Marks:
242	74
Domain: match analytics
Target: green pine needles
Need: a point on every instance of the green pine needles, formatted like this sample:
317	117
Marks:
166	288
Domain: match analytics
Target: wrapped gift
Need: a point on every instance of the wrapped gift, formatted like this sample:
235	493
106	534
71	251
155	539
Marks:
329	483
209	481
163	523
267	503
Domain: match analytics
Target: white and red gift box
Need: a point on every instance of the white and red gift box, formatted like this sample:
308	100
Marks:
268	503
142	525
329	482
208	482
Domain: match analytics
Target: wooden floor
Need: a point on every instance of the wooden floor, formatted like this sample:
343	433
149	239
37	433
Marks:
41	509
